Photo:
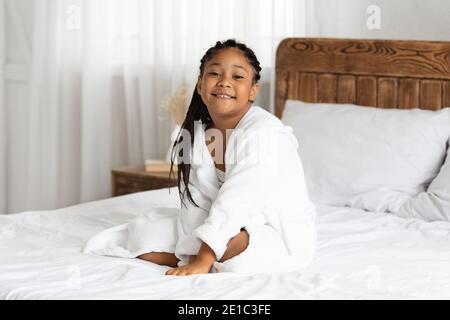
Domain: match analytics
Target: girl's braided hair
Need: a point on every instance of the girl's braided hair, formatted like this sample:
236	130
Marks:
198	111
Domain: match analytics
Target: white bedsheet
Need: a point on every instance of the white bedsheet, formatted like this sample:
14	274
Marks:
360	255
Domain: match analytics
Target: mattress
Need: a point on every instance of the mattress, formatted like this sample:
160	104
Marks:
360	255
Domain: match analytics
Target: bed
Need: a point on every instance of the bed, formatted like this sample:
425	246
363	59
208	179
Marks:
360	254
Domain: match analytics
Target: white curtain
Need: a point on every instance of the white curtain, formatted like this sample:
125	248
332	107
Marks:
99	72
3	184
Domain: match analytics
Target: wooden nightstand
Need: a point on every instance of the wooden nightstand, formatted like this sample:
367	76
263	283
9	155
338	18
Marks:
130	180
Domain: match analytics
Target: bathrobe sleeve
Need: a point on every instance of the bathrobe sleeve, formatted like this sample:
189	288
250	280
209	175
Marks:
241	199
189	219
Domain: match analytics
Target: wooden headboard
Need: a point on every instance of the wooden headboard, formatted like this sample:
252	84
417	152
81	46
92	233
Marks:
378	73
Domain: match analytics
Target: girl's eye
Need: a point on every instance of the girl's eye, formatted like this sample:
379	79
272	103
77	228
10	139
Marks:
212	73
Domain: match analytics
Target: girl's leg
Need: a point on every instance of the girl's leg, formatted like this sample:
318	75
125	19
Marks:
266	253
236	245
161	258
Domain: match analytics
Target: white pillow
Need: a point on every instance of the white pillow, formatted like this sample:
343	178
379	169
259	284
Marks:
364	157
435	203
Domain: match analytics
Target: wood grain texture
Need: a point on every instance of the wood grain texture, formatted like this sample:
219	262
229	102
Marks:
293	85
389	58
382	73
346	89
366	91
281	81
408	93
431	94
446	94
327	90
308	87
387	93
131	180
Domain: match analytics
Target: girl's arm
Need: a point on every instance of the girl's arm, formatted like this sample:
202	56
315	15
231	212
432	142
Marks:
205	256
202	263
242	197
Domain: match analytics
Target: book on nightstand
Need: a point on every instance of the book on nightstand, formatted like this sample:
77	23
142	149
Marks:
154	165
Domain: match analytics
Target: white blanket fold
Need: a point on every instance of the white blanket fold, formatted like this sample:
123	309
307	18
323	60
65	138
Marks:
154	231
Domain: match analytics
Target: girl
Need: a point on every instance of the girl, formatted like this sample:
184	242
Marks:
244	208
241	215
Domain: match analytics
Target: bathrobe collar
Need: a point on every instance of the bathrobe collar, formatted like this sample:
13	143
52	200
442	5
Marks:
202	162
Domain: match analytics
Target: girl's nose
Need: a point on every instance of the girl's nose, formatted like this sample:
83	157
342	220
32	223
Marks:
223	83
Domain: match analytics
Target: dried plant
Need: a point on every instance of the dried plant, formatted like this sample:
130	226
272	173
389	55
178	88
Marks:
178	103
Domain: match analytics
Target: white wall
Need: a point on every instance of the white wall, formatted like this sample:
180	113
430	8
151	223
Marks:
400	19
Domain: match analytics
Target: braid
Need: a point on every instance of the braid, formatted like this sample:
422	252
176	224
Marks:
198	111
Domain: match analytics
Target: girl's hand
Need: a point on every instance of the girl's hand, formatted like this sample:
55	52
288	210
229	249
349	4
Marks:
195	267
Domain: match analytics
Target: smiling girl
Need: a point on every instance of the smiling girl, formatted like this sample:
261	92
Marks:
238	214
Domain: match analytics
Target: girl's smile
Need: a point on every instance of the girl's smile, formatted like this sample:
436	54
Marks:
223	96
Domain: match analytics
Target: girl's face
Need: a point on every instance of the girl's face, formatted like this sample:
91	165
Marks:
226	85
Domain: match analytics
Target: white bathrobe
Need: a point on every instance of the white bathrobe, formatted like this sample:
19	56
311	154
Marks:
264	192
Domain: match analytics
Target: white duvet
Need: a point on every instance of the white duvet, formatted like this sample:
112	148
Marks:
360	255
